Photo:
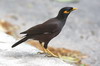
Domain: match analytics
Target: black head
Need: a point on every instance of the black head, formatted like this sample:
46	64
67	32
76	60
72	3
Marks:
64	12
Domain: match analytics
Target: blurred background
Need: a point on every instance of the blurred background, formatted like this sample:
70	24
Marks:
82	29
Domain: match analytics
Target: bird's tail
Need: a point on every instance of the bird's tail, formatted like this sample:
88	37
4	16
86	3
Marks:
19	42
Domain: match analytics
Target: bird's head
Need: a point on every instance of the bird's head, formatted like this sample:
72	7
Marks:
64	12
67	10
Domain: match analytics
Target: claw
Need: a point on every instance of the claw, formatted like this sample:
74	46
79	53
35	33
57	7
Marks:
40	53
48	51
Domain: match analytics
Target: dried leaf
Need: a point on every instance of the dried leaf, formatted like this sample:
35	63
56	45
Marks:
70	59
66	55
61	51
8	28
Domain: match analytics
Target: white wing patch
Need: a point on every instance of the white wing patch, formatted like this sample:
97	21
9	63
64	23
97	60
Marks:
46	33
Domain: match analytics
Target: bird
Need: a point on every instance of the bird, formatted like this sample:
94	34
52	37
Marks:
46	31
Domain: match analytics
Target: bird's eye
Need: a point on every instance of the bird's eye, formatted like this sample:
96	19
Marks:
66	12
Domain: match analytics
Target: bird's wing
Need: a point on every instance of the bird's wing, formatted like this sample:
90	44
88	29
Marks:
42	29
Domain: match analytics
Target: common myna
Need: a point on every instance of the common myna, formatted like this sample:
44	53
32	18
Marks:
48	30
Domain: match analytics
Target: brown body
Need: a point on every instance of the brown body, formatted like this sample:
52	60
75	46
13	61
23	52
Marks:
48	30
45	32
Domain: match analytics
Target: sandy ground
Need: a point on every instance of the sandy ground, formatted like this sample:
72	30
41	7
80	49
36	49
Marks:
82	29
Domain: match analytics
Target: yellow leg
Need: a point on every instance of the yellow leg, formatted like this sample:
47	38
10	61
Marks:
44	50
42	45
47	50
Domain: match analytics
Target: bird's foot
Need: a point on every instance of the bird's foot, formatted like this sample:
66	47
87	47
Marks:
50	53
41	53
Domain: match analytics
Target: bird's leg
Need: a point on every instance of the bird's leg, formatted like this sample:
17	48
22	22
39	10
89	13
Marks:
44	50
48	51
42	45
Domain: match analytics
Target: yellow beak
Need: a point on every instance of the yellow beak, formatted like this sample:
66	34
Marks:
75	8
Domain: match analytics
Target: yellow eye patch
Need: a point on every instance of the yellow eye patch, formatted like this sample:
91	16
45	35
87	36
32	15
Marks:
66	12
